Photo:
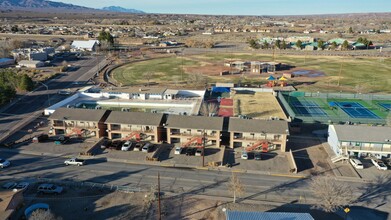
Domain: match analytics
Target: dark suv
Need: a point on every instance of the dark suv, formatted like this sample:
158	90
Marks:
190	151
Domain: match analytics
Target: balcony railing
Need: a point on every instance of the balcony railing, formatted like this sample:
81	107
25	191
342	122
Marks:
238	138
360	148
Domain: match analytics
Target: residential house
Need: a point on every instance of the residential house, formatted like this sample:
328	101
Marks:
82	45
182	129
236	215
72	121
137	125
31	63
10	201
251	132
359	140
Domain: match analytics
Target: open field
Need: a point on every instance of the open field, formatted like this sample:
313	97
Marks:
257	105
354	74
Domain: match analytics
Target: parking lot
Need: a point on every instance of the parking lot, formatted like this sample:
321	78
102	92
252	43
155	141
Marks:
274	162
211	155
370	172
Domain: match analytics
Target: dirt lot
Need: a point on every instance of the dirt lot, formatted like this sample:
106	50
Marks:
257	105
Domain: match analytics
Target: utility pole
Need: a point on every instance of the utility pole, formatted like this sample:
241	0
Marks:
47	91
203	149
158	191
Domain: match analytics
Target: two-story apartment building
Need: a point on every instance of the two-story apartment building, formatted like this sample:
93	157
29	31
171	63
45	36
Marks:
135	124
254	132
182	129
70	121
360	140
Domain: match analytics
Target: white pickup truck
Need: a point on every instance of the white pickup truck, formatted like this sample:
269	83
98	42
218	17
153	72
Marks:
74	161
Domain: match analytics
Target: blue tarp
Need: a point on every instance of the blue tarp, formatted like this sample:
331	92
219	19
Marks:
271	78
221	89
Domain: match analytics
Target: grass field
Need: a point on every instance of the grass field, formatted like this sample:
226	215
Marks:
257	105
354	74
162	70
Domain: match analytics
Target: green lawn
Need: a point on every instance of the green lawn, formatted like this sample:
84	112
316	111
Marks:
364	75
161	70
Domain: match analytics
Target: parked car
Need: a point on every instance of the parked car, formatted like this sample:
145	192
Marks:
356	163
199	152
22	185
4	163
106	143
258	156
126	146
49	188
388	162
74	161
9	185
38	206
190	151
147	148
178	150
116	145
244	155
379	164
138	146
40	138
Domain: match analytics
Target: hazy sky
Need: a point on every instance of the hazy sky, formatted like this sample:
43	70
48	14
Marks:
244	7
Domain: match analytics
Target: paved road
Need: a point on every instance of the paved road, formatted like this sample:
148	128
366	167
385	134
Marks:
201	182
14	115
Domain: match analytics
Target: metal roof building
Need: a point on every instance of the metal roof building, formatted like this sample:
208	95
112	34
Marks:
238	215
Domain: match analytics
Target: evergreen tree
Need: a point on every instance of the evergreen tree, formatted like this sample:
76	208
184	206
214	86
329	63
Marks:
345	45
299	44
26	83
106	36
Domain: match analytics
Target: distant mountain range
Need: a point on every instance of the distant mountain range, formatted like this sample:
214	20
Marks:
39	5
121	9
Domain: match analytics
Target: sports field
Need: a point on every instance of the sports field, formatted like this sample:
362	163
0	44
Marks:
322	107
354	74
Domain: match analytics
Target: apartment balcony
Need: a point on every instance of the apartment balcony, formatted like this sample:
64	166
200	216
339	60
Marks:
178	134
369	149
58	125
239	138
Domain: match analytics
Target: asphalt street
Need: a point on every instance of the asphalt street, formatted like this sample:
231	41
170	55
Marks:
173	180
21	109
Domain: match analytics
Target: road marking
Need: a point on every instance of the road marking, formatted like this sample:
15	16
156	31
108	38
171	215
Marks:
238	171
287	175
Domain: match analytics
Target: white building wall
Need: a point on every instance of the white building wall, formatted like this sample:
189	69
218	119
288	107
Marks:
333	140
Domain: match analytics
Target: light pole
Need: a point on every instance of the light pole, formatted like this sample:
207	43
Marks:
47	91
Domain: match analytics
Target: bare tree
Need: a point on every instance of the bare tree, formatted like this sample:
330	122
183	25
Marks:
148	76
331	194
208	108
235	186
212	108
204	109
41	214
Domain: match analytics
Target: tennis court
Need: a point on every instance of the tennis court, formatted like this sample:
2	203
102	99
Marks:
307	108
385	105
355	109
